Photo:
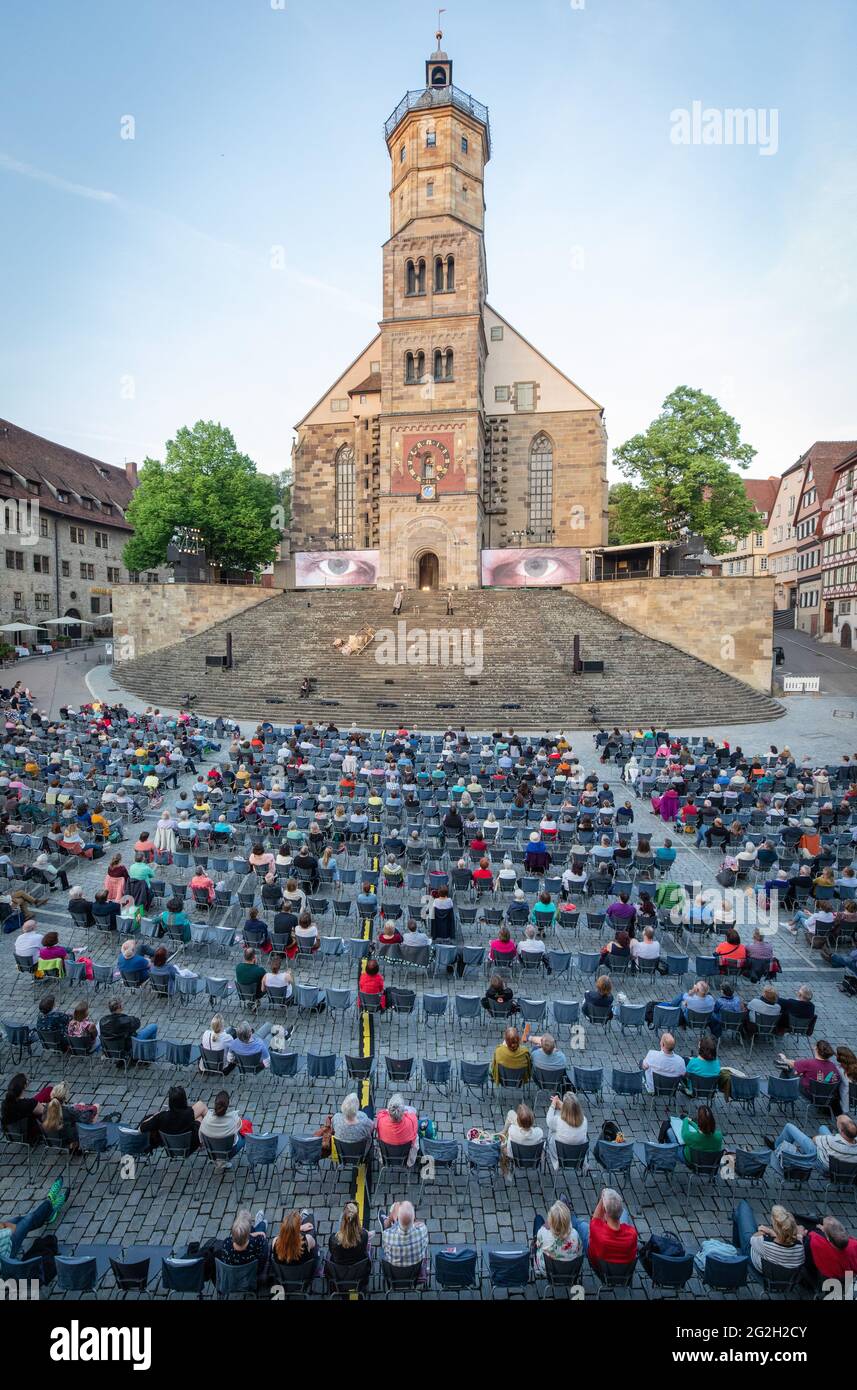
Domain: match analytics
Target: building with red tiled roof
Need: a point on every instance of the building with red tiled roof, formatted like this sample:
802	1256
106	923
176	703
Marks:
839	556
749	557
821	460
65	526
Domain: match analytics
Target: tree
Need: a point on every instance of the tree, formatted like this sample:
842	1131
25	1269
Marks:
682	472
204	485
633	516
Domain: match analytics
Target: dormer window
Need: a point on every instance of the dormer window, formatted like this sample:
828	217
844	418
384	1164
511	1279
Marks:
87	503
33	487
61	496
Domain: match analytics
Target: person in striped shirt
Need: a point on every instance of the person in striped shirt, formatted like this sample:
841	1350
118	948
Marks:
404	1239
779	1244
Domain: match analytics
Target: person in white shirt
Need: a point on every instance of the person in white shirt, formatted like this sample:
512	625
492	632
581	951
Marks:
664	1061
531	945
520	1128
306	929
278	979
566	1124
646	949
28	941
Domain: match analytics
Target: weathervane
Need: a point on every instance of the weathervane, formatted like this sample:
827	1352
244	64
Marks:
439	34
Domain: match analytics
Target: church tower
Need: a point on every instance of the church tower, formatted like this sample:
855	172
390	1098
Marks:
433	347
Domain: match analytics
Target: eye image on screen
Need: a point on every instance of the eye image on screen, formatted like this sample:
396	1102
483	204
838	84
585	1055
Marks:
530	568
332	569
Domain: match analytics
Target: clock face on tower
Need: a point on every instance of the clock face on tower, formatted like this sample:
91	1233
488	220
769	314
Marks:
428	461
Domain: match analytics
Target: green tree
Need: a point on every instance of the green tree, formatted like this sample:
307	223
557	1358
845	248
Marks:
204	485
682	471
633	516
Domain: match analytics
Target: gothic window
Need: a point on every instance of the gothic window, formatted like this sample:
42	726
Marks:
450	272
540	491
438	273
345	495
410	278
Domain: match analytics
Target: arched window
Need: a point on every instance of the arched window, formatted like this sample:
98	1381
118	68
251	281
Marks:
540	491
410	278
344	469
421	365
438	273
448	373
450	272
410	373
438	365
421	277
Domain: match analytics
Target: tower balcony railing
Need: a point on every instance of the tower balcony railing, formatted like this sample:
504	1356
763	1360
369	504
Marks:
428	98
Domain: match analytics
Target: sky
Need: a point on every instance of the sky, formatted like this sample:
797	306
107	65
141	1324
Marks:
225	262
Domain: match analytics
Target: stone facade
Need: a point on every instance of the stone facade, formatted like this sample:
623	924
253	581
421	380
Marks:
725	622
148	617
422	449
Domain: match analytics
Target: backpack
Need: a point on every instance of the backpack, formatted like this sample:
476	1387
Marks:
660	1243
610	1131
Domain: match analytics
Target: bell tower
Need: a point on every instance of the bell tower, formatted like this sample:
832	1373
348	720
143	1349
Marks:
433	344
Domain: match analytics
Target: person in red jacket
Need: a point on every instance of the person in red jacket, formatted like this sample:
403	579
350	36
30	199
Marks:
483	877
372	981
832	1251
609	1236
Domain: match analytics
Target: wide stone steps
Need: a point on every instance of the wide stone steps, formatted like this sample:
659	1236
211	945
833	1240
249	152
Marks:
526	639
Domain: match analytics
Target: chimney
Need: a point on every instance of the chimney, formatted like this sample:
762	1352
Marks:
131	472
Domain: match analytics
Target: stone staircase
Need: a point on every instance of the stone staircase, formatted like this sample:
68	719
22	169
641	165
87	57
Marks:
525	677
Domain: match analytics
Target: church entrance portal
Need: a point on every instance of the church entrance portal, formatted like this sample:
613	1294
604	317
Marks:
429	570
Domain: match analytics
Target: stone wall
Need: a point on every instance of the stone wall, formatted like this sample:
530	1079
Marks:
726	622
149	616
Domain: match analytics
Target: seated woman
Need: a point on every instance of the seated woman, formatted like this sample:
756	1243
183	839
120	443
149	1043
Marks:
483	878
223	1122
779	1244
202	883
350	1244
52	957
389	934
217	1038
61	1118
19	1109
555	1237
145	847
565	1123
544	912
162	968
619	947
306	932
372	981
498	992
295	1243
172	916
512	1055
520	1128
178	1118
82	1026
705	1064
693	1136
260	858
599	996
731	949
503	948
399	1124
392	872
277	978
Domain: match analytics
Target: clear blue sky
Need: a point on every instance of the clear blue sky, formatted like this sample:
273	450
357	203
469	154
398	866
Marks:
137	289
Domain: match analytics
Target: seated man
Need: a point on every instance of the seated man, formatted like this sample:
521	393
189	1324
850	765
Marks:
249	972
663	1061
251	1043
548	1057
531	946
822	1066
699	999
404	1240
801	1008
609	1238
760	954
765	1006
646	948
728	1004
117	1026
414	937
132	961
841	1144
831	1252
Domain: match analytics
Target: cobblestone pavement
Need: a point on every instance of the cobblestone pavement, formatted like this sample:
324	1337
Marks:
167	1206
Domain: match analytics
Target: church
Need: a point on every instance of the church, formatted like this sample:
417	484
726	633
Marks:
450	454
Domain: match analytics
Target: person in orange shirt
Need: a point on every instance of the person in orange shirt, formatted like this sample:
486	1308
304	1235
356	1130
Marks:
372	982
731	948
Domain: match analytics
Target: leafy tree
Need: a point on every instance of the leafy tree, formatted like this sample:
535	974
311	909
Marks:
633	516
682	471
204	485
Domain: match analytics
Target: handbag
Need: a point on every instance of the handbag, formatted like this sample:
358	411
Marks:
325	1134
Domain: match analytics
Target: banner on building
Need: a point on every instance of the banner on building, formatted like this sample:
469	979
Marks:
335	569
530	568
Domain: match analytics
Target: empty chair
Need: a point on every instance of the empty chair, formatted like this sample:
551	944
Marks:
627	1083
509	1269
434	1006
467	1007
